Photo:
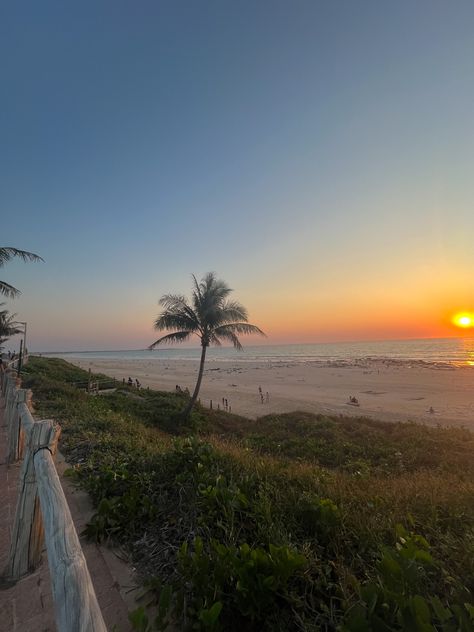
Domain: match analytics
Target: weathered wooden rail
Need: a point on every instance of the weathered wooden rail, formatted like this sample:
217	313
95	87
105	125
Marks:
95	386
42	514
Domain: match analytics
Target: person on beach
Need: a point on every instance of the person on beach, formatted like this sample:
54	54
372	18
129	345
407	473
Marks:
267	397
130	381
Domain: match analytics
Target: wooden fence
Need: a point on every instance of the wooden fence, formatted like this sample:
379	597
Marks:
42	513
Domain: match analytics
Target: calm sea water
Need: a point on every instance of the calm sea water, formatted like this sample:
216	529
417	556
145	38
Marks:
458	351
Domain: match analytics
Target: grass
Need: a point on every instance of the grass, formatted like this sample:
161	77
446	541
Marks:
290	522
354	444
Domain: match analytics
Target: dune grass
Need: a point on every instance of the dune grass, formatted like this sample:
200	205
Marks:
289	522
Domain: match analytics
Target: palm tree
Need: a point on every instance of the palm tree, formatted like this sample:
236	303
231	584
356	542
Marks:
6	255
8	327
211	317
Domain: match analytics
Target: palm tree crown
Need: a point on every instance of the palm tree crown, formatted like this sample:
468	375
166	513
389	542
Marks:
8	326
211	316
7	254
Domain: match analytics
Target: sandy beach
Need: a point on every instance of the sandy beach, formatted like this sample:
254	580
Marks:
386	389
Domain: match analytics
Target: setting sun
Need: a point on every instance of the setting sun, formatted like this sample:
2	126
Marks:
464	320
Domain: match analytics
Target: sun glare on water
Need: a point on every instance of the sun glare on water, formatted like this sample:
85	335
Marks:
463	320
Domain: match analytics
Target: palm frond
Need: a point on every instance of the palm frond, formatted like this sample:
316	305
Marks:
177	304
9	331
7	254
214	288
173	301
8	326
8	290
197	288
239	328
197	299
230	336
214	340
209	296
232	311
174	337
172	320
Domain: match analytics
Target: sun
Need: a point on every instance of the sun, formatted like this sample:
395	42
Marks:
463	319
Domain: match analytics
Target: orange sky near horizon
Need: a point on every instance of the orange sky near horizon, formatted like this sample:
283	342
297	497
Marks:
331	308
415	309
309	324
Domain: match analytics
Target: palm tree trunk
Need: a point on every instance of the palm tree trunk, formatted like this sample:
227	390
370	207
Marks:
192	401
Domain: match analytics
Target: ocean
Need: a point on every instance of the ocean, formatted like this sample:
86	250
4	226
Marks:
454	351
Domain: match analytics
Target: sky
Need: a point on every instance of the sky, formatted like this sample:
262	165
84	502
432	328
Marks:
316	155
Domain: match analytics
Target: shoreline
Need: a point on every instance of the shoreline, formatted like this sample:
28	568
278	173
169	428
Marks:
362	361
389	390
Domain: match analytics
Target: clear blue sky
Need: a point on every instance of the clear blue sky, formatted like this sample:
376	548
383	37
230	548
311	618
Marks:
319	156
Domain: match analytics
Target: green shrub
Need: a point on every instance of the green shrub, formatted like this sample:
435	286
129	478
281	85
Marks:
398	599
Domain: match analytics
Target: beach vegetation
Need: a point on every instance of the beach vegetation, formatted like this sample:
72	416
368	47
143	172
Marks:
251	525
210	316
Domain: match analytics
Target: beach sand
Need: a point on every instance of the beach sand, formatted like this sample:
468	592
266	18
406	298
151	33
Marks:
387	390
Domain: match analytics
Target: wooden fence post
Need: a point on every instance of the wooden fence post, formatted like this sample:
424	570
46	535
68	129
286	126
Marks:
77	609
12	385
6	397
7	392
3	377
23	407
28	534
14	427
6	373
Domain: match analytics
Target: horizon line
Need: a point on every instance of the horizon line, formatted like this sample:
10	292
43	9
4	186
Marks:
283	344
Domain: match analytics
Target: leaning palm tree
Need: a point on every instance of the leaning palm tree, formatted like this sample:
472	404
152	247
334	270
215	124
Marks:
210	316
7	254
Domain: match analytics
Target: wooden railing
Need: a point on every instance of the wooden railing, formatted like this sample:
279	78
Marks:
42	514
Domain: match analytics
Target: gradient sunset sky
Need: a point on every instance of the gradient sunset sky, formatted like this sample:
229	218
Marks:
317	155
